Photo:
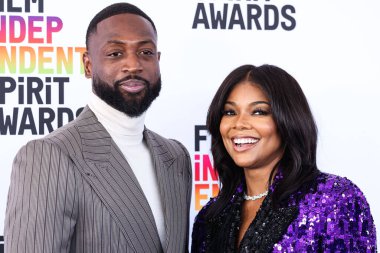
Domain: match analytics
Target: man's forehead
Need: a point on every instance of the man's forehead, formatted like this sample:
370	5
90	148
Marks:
127	19
119	28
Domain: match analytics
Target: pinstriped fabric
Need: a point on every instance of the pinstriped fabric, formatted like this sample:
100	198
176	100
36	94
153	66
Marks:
39	190
96	230
73	191
175	187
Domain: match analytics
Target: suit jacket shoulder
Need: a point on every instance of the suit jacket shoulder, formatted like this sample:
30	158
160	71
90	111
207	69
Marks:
74	137
175	147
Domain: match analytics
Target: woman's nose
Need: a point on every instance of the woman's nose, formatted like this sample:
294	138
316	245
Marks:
242	122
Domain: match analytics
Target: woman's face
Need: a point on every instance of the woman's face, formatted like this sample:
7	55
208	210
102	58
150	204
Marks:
248	130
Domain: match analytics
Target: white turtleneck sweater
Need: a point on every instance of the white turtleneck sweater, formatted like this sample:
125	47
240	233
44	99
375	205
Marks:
127	133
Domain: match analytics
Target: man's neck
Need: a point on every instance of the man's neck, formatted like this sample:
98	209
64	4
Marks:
116	122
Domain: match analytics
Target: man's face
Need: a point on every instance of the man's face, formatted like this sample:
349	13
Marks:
123	62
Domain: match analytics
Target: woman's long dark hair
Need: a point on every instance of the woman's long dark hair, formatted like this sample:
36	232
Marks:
295	124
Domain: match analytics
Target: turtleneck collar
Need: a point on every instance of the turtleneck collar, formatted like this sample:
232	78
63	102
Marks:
117	123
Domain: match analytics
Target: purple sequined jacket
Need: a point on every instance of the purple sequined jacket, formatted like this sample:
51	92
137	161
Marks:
330	214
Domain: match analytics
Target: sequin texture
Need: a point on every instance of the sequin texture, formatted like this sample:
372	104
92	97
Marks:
329	215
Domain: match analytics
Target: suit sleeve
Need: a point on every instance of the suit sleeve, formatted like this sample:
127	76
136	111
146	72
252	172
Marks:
41	206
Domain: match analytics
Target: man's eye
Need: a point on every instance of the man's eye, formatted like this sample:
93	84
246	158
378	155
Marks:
114	54
228	112
146	52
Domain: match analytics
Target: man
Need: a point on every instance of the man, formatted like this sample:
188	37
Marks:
103	182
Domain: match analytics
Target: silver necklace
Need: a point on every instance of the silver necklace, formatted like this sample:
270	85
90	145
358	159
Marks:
254	197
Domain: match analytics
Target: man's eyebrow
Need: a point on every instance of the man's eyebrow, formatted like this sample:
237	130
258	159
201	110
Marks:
123	42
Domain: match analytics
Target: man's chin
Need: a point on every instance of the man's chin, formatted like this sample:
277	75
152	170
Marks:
135	99
132	95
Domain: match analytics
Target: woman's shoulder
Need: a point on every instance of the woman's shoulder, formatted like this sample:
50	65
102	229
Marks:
200	217
232	202
334	186
334	210
333	194
200	228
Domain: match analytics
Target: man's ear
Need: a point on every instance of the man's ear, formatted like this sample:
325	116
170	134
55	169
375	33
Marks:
159	55
87	65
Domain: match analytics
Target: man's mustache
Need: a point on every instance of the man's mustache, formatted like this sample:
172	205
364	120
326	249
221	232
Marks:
118	82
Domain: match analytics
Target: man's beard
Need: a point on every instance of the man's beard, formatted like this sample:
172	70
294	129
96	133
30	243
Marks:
131	104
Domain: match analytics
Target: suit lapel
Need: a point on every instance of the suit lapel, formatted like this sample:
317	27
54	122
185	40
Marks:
163	161
107	171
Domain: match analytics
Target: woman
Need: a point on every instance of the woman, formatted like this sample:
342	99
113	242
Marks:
273	198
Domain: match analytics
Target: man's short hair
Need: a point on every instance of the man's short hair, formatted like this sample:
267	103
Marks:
112	10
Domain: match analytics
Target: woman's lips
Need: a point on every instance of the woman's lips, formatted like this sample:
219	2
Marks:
244	143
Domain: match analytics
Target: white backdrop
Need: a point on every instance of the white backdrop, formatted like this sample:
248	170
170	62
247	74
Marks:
333	51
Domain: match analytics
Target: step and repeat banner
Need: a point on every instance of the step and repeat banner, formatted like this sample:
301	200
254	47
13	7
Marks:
330	47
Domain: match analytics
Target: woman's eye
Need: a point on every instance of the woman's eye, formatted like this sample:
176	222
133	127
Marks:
228	112
260	112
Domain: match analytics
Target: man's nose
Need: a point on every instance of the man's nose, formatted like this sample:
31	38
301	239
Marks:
132	64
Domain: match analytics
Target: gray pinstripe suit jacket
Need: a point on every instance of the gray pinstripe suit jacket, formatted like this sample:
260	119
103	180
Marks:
73	191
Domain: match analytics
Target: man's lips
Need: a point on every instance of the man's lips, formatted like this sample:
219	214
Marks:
132	85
